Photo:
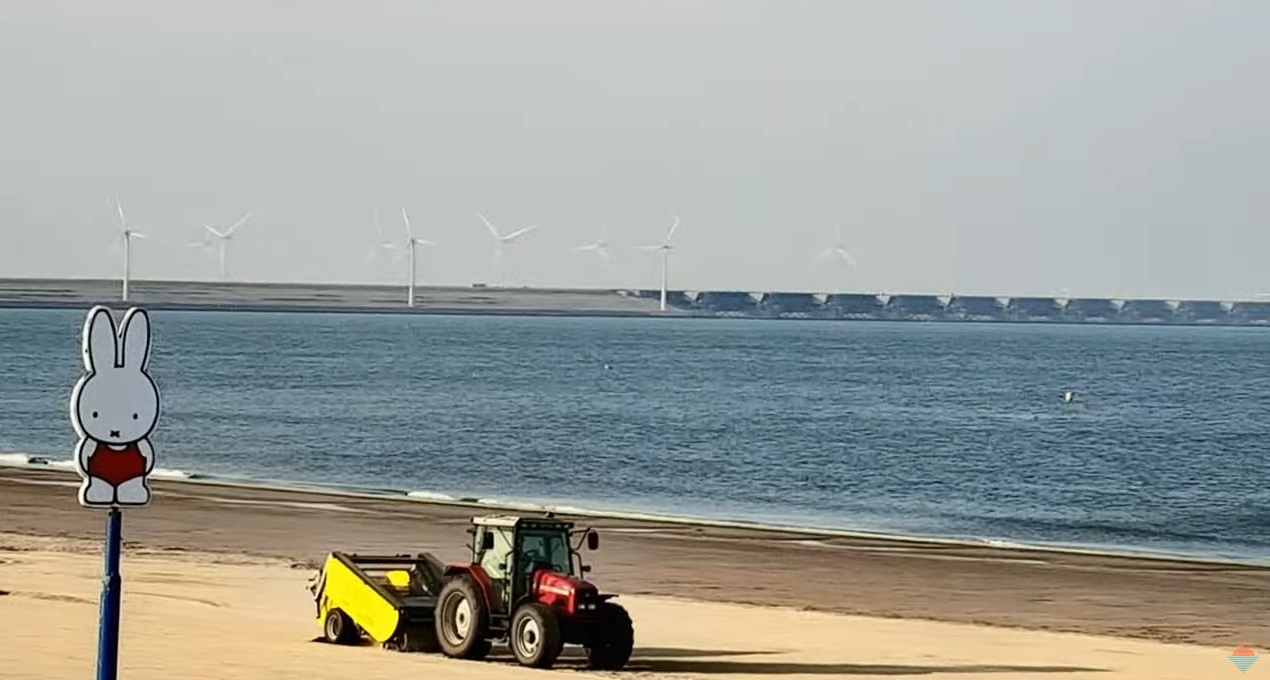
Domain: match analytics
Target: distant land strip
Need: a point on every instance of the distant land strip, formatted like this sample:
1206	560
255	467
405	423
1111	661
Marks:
487	300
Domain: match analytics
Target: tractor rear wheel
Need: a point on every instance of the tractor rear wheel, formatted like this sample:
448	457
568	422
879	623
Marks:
462	621
535	635
339	628
612	639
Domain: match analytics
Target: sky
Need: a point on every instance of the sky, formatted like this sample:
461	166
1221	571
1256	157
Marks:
1093	147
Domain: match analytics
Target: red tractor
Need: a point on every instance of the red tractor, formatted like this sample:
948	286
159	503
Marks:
525	584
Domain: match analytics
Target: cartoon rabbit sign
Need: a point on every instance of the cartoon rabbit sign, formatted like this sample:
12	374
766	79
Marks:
114	408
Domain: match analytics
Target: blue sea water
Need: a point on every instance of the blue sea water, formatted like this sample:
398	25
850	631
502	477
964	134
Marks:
952	430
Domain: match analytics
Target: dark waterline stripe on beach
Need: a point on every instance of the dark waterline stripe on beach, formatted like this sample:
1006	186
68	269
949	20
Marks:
423	496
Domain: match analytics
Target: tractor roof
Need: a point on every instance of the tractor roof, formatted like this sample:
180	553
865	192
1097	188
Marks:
512	521
496	520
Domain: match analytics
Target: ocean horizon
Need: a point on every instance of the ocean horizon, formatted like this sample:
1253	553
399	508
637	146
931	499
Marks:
931	430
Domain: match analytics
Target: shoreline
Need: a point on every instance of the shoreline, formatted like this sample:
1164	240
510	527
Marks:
561	313
563	509
483	300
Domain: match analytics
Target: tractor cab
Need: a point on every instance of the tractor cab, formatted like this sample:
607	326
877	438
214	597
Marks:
511	550
526	584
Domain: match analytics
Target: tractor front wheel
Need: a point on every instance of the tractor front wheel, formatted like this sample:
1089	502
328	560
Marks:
535	635
612	639
462	620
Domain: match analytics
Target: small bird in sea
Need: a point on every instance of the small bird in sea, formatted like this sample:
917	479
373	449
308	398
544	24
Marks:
1069	397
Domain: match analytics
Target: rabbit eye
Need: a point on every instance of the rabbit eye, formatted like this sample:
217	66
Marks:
134	416
94	414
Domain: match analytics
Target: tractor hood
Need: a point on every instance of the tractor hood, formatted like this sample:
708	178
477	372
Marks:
571	593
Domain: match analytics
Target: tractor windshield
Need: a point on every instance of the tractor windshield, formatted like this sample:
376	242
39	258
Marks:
545	549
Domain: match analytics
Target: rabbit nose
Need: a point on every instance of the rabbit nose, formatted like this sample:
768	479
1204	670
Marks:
114	433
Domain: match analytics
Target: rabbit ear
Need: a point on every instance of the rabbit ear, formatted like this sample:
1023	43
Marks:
99	340
136	340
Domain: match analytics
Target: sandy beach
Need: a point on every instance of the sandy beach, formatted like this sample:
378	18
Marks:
220	572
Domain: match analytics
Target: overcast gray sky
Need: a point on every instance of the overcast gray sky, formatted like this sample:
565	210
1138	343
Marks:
1106	147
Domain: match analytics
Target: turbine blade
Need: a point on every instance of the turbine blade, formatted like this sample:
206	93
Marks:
519	232
406	219
119	207
489	226
215	233
673	227
241	221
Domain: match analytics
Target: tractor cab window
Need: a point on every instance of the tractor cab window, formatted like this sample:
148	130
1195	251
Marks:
544	549
495	560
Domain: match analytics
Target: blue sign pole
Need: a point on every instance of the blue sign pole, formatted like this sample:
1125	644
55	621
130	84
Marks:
111	585
114	409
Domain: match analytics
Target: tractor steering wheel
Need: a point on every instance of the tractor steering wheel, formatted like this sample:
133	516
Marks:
535	560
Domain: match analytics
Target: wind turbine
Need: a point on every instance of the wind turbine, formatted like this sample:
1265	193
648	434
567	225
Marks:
838	251
500	241
411	242
601	248
665	247
223	237
126	235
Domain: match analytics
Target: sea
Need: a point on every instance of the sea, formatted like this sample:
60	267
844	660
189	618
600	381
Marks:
945	430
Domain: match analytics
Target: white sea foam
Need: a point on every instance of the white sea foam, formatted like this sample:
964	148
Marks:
430	496
34	461
15	459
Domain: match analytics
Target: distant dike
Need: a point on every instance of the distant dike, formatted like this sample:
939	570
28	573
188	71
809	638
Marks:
486	300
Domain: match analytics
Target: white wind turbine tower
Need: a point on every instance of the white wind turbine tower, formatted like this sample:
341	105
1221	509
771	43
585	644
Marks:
500	241
665	247
838	251
126	235
411	242
223	237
